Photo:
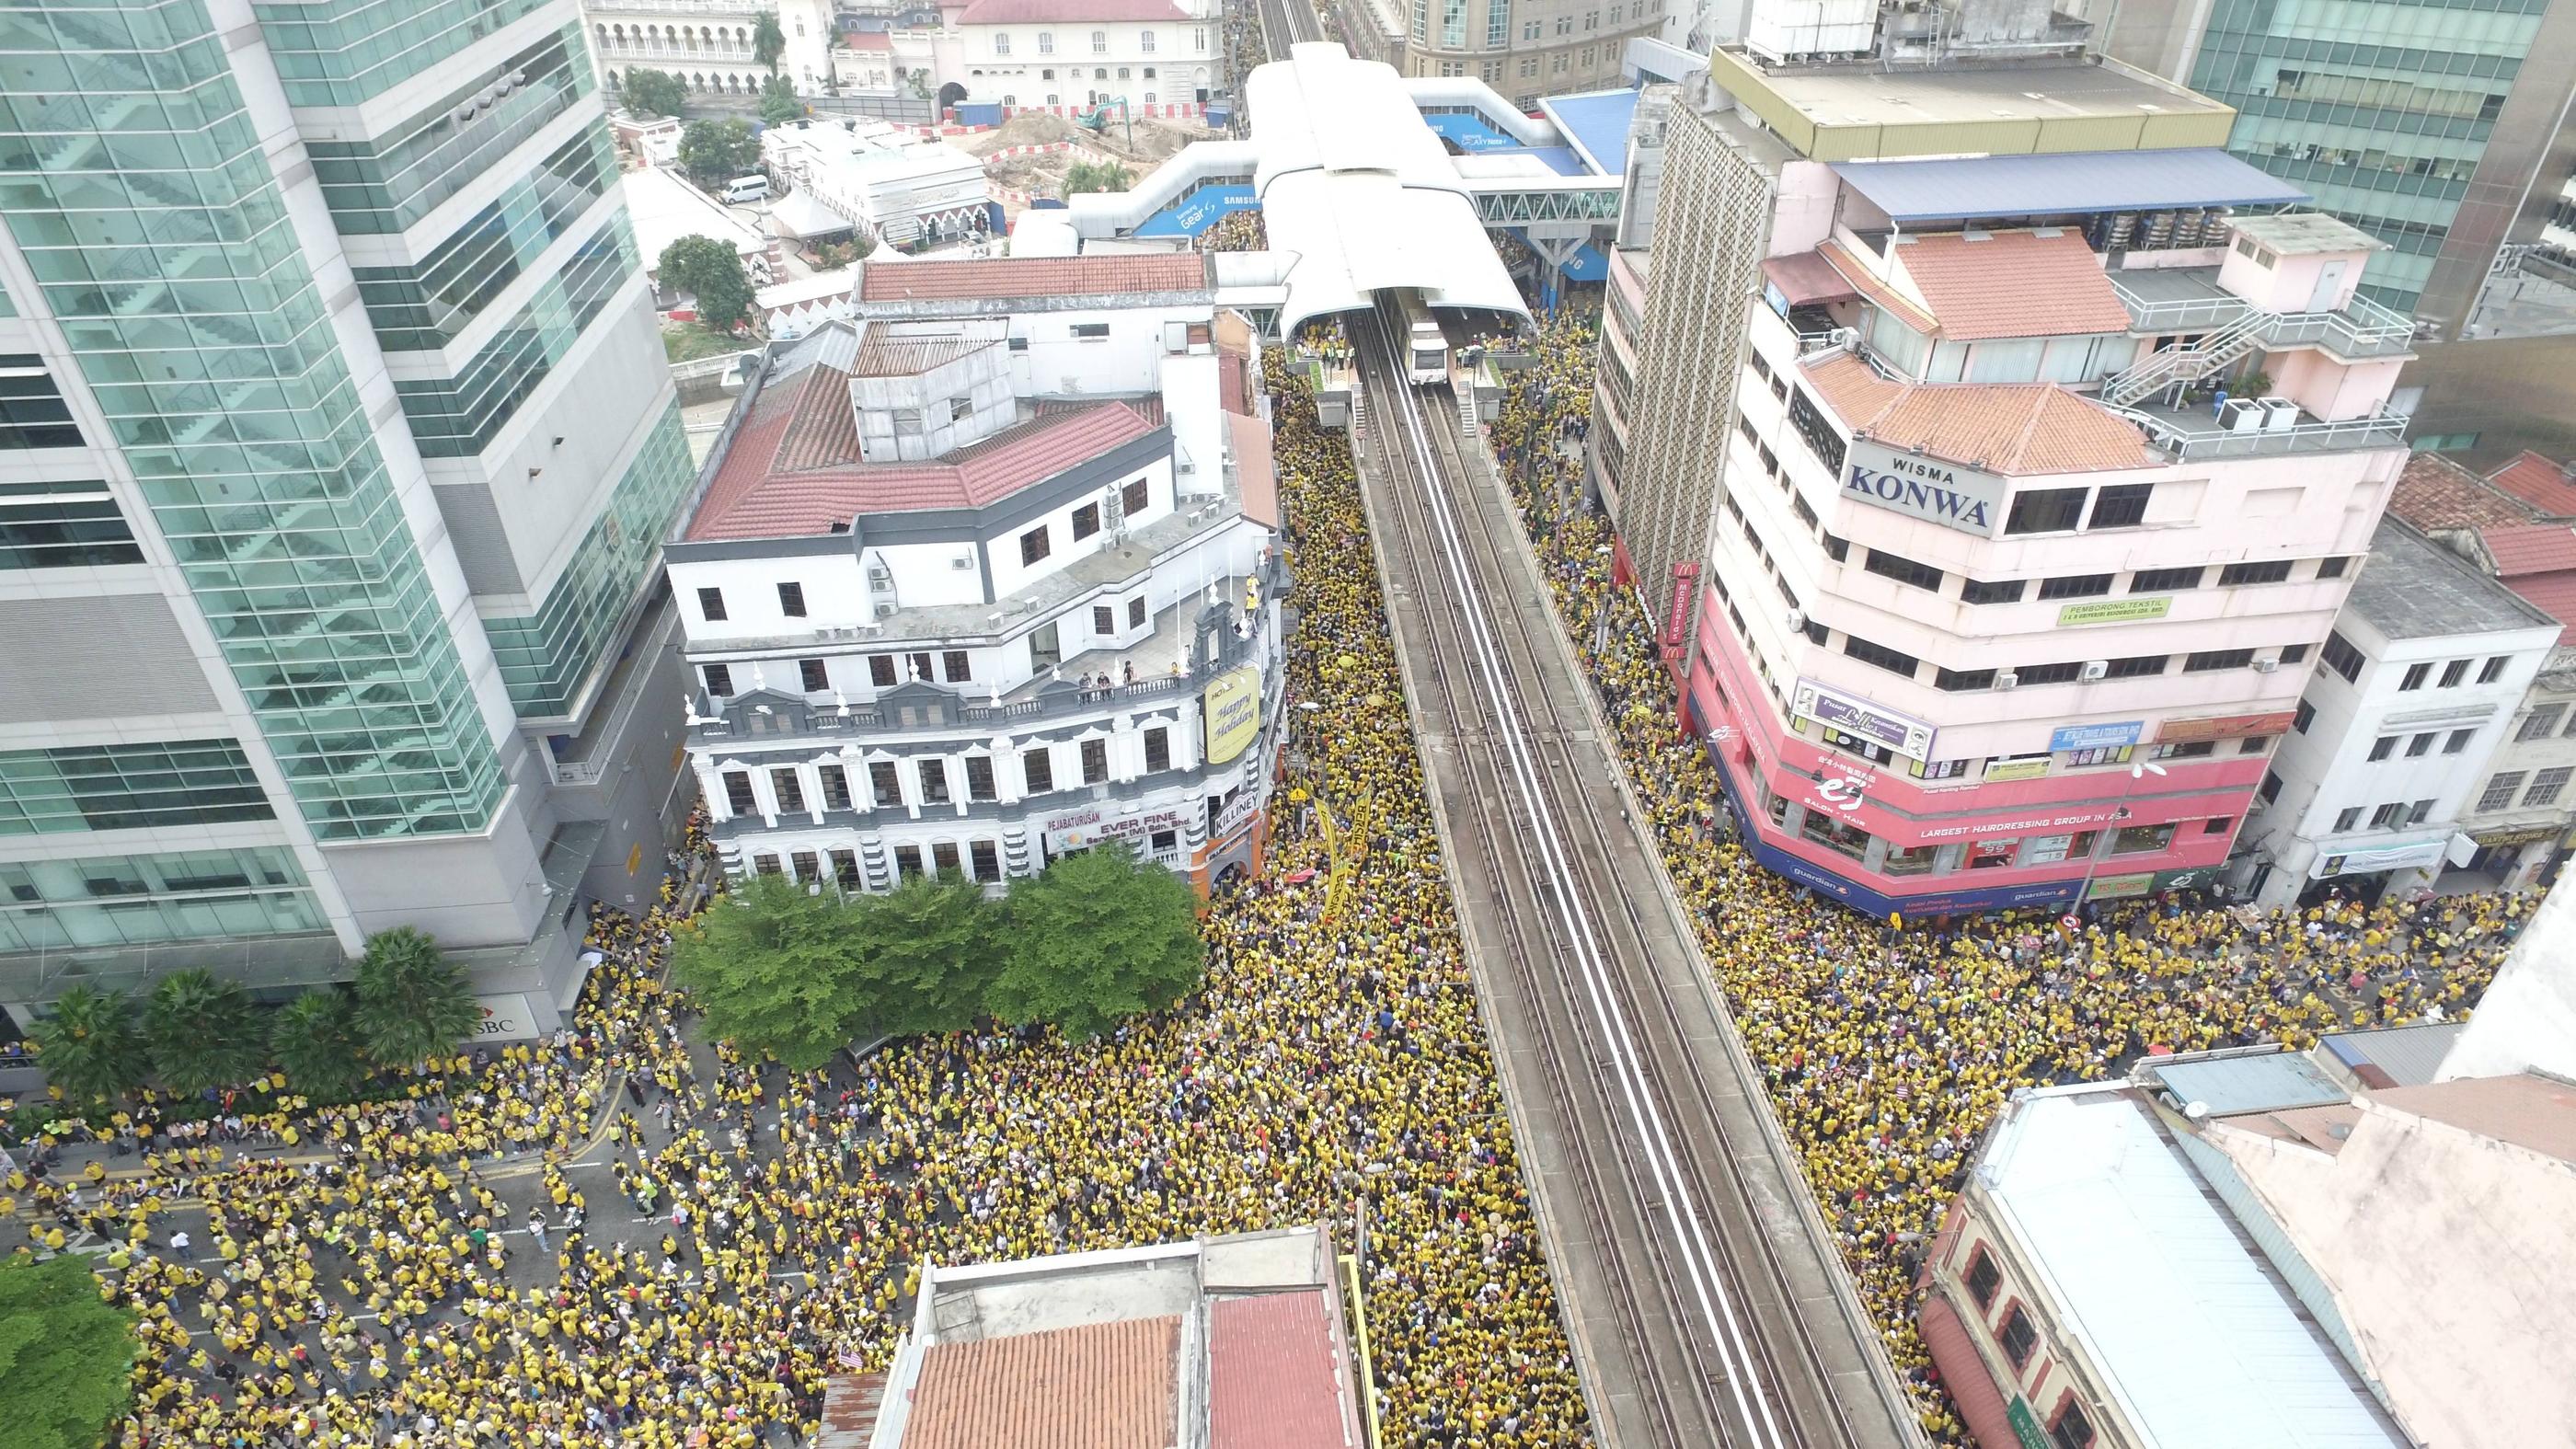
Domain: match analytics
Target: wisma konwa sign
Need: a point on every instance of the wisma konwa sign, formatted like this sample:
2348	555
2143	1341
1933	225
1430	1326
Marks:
1925	488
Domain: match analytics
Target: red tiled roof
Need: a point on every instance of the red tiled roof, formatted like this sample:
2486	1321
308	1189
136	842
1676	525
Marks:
2435	493
794	467
1866	282
2538	481
2012	284
2010	428
2535	548
1100	1386
1039	12
1274	1374
1005	277
2553	594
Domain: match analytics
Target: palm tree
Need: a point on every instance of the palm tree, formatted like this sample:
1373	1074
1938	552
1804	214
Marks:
88	1045
413	1003
315	1037
1085	176
203	1031
768	42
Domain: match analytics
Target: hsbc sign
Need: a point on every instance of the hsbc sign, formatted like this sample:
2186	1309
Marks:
1926	488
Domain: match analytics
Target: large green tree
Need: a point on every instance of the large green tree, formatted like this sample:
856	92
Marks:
715	152
315	1037
413	1002
777	969
932	948
1096	938
1085	176
710	271
64	1354
652	92
768	42
778	102
203	1031
89	1046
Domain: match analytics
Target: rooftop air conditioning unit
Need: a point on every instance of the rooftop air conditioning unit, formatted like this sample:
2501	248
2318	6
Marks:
2266	666
880	577
2007	680
2095	669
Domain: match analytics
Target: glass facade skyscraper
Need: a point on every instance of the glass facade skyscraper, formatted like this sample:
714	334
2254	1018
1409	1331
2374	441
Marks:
342	454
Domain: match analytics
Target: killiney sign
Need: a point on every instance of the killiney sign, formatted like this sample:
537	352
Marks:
1926	488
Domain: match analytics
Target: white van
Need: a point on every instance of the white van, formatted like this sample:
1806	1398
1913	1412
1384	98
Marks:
746	188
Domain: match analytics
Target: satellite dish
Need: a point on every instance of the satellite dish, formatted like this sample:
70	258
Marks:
2196	1111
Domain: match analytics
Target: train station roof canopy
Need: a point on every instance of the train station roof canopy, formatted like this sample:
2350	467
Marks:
1361	194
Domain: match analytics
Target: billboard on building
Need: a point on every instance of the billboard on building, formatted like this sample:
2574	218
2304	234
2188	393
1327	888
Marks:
1854	715
1231	710
1932	489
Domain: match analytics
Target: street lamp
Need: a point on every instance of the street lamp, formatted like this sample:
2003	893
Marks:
2137	771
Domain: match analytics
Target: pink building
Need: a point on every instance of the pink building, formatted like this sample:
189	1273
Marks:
2029	534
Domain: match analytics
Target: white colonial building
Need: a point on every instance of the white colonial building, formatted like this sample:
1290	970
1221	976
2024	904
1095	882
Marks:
707	43
1086	52
2385	770
988	575
870	176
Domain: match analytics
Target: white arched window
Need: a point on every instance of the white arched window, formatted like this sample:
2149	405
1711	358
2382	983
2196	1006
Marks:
1002	43
1100	42
1145	41
1046	42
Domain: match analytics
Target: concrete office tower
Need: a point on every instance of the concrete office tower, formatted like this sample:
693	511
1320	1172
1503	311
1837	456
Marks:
1523	48
336	460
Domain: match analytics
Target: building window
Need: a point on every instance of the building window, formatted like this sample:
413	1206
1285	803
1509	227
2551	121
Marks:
845	868
2166	581
885	787
1002	43
2419	746
738	797
1837	549
1095	761
2018	1337
2382	747
2332	568
764	865
933	771
1104	620
907	861
836	786
2188	750
1806	418
2270	789
1100	42
32	411
2062	673
788	787
1903	570
2273	572
811	674
1045	647
2071	1431
1038	764
954	666
1086	521
2541	722
2075	586
711	605
2219	825
2494	669
1136	612
2454	672
881	671
2142	839
1145	42
1090	331
2138	666
979	778
1133	498
2458	741
2388	817
791	600
1893	661
1958	679
1994	591
2345	820
63	525
1046	42
2500	791
943	857
2302	717
1158	750
1034	545
2205	660
2293	653
2044	510
2121	505
2416	674
719	680
2545	787
2341	657
1984	1278
987	858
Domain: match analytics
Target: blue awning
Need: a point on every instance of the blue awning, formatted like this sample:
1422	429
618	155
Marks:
2074	184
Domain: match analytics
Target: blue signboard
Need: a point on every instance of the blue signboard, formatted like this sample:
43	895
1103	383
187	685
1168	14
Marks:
1199	210
1469	132
2096	736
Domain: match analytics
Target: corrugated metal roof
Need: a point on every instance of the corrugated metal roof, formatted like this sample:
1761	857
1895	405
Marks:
2068	184
2410	1055
2194	1341
1275	1375
2228	1085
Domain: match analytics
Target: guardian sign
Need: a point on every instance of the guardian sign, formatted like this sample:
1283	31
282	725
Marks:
1926	488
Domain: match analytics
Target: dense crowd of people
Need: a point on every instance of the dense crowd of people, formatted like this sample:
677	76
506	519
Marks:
622	1234
1886	1053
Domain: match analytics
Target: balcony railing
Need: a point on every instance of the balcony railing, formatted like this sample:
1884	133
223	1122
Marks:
2186	438
612	51
2360	328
